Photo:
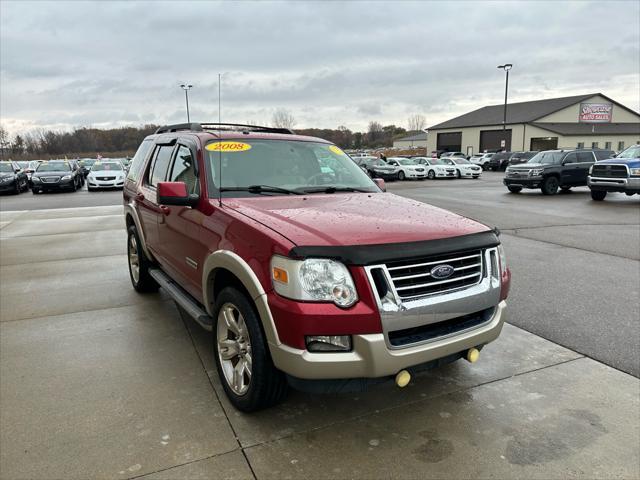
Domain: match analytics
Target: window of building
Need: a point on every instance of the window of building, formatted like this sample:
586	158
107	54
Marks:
594	144
607	145
620	146
580	144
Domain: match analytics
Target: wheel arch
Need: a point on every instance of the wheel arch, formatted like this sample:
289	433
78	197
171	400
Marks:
223	268
131	218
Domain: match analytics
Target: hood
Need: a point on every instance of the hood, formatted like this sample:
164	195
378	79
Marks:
353	219
528	165
631	162
51	174
107	173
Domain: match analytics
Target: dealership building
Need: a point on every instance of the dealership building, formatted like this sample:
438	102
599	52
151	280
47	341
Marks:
583	121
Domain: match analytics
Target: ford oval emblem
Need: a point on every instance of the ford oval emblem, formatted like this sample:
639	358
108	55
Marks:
440	272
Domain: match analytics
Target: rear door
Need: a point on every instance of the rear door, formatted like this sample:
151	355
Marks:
180	241
585	160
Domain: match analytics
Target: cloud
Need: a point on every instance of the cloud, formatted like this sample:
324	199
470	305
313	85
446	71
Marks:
328	63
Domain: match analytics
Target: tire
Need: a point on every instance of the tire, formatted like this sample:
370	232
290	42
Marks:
34	191
598	195
139	264
550	185
458	174
515	189
431	175
17	188
238	336
485	167
401	175
565	189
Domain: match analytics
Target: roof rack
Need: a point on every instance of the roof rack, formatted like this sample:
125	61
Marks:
245	128
179	126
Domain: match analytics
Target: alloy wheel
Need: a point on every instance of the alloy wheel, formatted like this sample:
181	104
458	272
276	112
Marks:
234	349
134	259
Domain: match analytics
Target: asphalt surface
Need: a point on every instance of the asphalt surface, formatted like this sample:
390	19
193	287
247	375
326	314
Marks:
575	262
97	381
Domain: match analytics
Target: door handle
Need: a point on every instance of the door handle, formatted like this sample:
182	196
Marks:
165	210
140	197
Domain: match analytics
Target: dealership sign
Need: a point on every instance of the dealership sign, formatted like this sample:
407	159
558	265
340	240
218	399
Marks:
595	112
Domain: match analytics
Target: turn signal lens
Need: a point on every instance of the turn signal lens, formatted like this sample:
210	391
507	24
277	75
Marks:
280	275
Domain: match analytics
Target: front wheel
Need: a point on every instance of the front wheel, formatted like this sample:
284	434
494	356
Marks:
244	364
598	195
458	174
139	264
550	186
515	189
401	175
431	175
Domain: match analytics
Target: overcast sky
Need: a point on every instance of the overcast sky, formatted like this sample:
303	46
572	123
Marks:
109	63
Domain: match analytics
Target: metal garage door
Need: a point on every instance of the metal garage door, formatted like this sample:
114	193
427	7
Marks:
492	140
450	142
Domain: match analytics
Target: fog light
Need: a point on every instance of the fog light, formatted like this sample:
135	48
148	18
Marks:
328	343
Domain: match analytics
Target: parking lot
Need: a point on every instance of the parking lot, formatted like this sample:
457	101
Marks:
97	381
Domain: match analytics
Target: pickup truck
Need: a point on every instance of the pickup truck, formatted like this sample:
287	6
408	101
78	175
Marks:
316	281
619	174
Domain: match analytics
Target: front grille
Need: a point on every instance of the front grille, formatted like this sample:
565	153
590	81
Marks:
50	179
518	173
105	179
611	171
419	169
412	279
423	333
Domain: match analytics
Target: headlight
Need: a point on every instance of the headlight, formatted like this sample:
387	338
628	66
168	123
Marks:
35	179
503	259
66	177
508	169
536	172
634	171
314	279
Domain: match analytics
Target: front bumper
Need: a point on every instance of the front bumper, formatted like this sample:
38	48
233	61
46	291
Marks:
8	186
50	186
610	184
470	173
93	183
410	174
371	358
525	182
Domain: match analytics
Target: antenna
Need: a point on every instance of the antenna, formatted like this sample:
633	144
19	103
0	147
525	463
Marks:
219	146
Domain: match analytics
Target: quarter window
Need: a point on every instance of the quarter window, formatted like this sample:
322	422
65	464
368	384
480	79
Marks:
183	169
159	166
585	157
571	158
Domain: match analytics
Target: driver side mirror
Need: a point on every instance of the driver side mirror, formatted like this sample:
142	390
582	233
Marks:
175	193
380	183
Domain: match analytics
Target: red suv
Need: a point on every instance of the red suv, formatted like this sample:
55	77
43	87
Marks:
305	270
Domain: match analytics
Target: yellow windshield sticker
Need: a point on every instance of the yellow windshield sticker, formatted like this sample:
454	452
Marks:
336	150
228	147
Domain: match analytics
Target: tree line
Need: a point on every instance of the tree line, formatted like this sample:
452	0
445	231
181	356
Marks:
89	142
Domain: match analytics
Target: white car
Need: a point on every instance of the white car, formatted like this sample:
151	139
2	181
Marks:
464	168
105	174
481	159
453	155
436	168
408	168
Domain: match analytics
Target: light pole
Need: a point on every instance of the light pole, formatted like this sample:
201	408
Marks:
506	67
186	87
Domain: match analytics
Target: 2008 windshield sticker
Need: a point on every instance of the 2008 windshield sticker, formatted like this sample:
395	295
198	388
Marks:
336	150
228	147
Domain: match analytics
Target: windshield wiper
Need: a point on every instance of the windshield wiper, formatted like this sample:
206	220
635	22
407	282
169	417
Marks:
332	189
260	189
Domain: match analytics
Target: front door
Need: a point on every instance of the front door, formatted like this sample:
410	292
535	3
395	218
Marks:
569	170
585	160
179	228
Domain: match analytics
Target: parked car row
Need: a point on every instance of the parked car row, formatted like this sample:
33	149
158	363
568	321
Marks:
419	168
560	170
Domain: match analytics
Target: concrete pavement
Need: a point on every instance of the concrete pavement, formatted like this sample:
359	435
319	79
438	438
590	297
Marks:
97	381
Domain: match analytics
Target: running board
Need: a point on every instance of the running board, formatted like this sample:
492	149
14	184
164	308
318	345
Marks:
182	298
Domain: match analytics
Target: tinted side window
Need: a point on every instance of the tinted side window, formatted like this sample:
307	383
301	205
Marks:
158	171
585	157
183	169
571	158
138	160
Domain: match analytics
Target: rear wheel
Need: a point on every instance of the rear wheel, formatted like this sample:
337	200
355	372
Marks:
550	186
244	364
598	195
431	175
515	189
139	264
401	175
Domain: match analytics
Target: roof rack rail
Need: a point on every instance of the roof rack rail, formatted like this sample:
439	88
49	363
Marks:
247	128
179	126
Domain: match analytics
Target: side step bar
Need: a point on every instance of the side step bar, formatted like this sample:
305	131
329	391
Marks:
182	298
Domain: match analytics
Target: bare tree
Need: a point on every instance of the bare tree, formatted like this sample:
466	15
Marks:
282	119
416	123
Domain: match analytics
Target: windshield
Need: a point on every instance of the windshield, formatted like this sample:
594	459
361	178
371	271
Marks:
98	166
461	161
631	152
23	164
53	167
291	165
408	161
548	158
87	163
6	167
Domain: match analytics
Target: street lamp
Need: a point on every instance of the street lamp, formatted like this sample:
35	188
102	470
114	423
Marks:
506	67
186	87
